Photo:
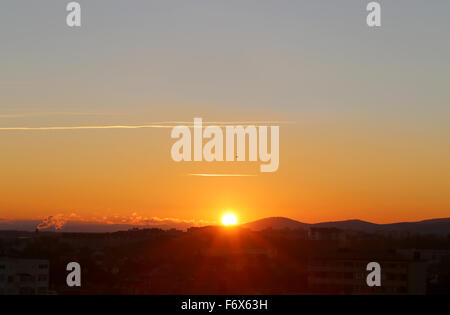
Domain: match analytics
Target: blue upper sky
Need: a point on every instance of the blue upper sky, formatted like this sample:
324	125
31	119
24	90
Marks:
280	57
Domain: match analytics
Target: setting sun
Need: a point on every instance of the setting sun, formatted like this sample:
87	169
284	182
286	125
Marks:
229	219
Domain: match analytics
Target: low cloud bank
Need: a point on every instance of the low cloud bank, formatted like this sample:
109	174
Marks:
73	223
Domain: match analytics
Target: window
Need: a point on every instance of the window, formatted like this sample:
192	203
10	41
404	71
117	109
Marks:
26	278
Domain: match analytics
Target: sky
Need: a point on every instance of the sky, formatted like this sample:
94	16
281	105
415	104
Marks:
364	113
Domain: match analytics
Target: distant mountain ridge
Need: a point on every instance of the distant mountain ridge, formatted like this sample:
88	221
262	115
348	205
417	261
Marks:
432	226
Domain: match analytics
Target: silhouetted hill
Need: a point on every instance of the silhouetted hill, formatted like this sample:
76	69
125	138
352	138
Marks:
433	226
356	225
275	223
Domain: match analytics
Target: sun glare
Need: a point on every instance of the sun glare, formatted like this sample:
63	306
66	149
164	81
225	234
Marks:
229	219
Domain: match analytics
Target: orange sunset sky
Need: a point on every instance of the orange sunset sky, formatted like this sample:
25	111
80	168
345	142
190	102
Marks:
364	116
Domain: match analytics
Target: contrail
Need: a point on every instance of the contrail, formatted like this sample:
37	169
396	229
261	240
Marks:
169	124
258	122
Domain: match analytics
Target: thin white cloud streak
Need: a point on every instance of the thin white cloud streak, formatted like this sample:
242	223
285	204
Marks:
154	125
257	122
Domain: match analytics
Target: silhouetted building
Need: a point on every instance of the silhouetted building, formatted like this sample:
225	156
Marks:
346	274
431	256
24	276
